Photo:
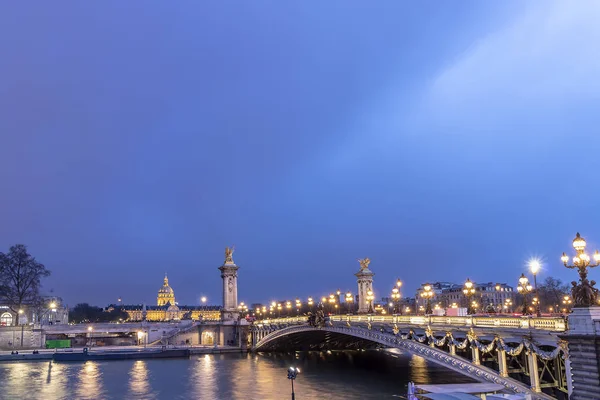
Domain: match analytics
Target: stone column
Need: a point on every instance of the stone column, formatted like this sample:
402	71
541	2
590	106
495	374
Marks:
229	276
365	283
475	353
583	366
534	375
502	363
452	349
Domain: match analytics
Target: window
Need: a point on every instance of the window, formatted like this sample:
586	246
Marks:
6	319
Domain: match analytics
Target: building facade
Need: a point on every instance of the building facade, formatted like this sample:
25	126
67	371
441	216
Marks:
167	309
487	296
50	311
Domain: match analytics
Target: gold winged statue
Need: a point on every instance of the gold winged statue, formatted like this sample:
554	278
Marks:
364	263
229	255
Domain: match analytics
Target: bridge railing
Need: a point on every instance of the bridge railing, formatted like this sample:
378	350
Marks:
553	324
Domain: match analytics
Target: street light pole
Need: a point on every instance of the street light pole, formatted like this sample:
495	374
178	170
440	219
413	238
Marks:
524	287
292	373
469	291
584	294
535	266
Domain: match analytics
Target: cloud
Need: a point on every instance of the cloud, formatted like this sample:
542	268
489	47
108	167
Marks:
547	54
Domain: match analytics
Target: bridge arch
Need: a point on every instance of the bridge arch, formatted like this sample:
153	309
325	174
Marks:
384	339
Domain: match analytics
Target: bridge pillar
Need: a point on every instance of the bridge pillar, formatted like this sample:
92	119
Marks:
534	375
502	363
230	288
475	353
452	348
583	362
365	284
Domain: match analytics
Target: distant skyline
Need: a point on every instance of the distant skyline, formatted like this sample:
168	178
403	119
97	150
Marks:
444	141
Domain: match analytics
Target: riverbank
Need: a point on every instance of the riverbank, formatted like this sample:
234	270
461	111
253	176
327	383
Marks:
116	353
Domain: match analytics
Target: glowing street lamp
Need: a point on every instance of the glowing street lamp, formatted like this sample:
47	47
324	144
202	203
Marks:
396	296
291	375
370	298
535	266
524	287
203	300
584	294
469	291
349	300
427	294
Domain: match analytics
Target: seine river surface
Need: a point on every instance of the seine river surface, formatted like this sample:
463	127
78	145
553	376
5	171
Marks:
331	375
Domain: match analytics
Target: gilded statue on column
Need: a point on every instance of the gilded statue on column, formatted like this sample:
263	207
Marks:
364	263
229	255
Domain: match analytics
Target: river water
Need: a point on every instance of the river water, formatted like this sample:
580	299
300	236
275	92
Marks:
326	375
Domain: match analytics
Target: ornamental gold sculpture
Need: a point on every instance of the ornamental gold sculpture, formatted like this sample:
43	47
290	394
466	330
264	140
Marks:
229	255
584	293
364	263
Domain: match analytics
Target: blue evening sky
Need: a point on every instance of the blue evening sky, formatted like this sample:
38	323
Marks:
443	140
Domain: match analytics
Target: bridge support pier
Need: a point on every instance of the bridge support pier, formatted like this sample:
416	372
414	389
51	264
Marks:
582	366
502	363
534	375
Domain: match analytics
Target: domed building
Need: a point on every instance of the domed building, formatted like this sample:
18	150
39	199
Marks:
166	295
166	309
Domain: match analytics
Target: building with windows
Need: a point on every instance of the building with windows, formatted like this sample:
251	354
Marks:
167	309
49	311
487	295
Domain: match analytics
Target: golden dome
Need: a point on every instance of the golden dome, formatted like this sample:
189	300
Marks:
166	294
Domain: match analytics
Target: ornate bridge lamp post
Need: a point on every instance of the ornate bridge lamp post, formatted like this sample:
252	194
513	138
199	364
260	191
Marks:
428	294
298	306
469	291
534	266
584	293
310	304
370	298
288	307
567	303
332	303
396	297
349	301
524	288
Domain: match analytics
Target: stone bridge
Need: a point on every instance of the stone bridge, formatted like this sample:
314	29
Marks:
524	354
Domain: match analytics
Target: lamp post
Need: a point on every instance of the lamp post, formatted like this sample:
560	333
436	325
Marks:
291	375
524	287
396	296
332	303
584	294
428	294
349	301
534	266
370	298
90	330
298	306
310	303
469	291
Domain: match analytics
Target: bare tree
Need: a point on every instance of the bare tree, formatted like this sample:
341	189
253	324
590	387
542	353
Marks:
552	292
21	278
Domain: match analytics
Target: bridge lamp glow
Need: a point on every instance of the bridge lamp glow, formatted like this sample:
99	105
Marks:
398	283
535	265
140	335
90	328
203	299
53	305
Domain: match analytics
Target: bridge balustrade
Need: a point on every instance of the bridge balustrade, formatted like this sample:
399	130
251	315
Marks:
552	324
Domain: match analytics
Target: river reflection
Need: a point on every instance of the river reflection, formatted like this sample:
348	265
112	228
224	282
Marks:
324	375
